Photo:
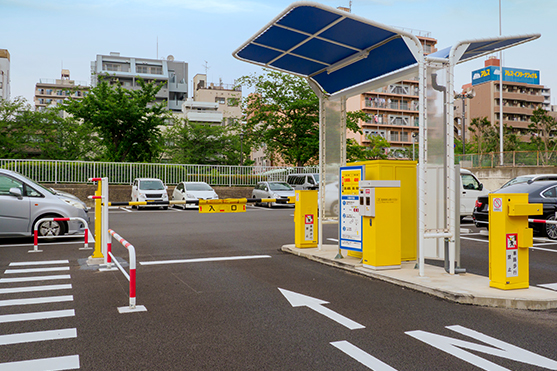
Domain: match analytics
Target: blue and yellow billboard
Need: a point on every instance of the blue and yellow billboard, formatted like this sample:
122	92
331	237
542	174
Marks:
491	73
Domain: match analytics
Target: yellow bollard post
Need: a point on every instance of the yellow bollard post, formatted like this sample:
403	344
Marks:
510	239
97	253
305	219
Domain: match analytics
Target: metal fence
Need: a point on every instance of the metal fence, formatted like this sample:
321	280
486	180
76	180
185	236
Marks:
55	171
514	159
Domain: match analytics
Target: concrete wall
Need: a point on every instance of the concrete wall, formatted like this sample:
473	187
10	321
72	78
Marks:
494	178
122	193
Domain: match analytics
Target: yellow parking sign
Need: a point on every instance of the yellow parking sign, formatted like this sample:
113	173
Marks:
222	208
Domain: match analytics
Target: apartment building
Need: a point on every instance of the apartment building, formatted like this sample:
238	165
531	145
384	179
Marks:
54	91
4	74
393	110
227	96
126	70
522	94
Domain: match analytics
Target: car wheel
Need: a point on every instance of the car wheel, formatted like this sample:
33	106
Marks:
550	230
334	208
51	228
255	203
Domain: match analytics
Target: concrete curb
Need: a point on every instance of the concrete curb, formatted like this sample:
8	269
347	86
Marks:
464	288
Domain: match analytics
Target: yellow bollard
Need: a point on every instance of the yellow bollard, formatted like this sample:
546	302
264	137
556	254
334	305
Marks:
98	226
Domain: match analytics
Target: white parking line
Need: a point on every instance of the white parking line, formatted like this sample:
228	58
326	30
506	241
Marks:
43	364
227	258
15	290
37	278
43	300
551	286
36	270
36	315
19	264
472	239
29	337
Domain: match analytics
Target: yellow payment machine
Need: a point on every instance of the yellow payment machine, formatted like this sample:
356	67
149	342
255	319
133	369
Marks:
305	219
509	240
380	209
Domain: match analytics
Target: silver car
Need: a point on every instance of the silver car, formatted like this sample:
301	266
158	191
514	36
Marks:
273	190
23	202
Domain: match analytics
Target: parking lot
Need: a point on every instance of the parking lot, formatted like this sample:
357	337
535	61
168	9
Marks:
210	284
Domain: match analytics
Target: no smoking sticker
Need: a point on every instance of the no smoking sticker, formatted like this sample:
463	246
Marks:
498	204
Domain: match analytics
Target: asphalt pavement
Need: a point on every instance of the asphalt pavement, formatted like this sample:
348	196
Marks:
220	295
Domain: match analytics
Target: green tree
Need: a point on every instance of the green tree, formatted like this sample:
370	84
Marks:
543	128
283	114
377	150
198	143
485	138
26	133
127	121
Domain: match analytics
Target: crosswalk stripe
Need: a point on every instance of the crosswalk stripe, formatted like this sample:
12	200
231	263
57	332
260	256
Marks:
36	270
43	364
43	300
29	337
36	315
35	278
45	262
15	290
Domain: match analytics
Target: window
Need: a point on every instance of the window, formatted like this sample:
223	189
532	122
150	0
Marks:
551	192
6	183
470	182
59	92
49	91
220	100
233	102
394	136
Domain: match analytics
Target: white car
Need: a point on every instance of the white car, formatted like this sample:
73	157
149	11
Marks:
191	191
470	190
149	189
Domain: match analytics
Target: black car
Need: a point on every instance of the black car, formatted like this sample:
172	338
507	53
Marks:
540	192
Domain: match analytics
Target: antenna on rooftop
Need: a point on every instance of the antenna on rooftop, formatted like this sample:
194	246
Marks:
350	6
206	66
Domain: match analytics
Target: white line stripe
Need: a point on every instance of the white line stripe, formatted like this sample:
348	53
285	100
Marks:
37	278
18	264
36	270
50	243
333	239
16	290
29	337
551	286
43	300
542	249
205	260
473	239
43	364
125	209
359	355
36	315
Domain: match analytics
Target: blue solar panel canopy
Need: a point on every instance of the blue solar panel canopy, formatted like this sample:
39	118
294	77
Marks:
471	49
335	49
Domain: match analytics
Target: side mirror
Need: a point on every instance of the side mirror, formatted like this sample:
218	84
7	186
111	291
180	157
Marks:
16	192
481	187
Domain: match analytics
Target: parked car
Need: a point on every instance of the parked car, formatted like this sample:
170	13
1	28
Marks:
24	202
273	189
530	178
191	191
303	181
149	189
543	192
470	190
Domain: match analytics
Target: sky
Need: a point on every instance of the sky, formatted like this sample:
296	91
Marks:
44	36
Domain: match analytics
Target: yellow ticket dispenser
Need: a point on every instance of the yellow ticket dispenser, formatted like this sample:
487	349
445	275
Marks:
380	209
509	240
305	219
406	172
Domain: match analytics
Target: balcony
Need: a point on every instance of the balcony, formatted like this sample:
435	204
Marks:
201	116
175	105
177	87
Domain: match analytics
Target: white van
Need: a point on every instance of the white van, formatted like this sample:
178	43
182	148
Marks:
470	190
303	181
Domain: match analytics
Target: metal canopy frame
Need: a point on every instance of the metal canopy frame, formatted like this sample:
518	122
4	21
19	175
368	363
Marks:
342	55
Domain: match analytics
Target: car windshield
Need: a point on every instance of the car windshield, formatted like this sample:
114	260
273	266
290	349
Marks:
198	187
280	187
519	179
151	185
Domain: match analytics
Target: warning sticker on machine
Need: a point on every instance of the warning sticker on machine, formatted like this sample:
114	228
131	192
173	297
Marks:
512	254
497	204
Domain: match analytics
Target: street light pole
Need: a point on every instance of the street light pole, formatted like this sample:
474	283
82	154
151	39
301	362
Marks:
464	96
241	149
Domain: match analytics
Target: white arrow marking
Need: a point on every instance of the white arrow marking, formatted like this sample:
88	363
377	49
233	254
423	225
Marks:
299	300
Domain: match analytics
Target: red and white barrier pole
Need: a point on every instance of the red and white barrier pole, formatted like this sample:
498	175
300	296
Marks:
36	231
132	274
